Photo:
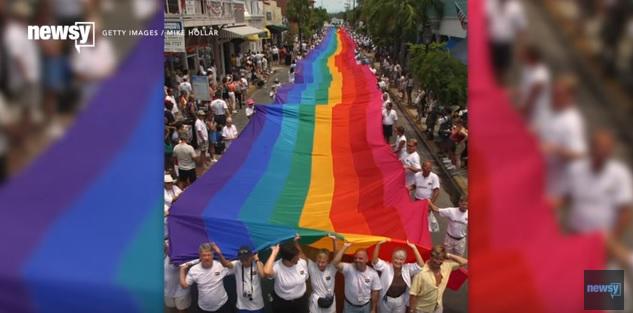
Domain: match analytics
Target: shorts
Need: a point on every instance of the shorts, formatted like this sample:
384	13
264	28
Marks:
187	175
203	146
501	55
180	303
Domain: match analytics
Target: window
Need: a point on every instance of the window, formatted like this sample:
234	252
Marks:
269	16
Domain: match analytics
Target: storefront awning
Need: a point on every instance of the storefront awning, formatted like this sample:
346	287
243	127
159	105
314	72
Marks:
263	35
242	32
277	28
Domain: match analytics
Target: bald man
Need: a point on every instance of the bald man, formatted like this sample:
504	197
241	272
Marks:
599	190
426	183
362	284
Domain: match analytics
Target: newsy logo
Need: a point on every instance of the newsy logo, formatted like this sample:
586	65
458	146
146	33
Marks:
613	289
83	33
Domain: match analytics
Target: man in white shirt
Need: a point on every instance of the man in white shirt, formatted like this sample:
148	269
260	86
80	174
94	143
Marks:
184	156
362	284
175	296
563	134
535	89
599	190
290	274
399	146
389	117
411	162
395	277
248	270
202	137
426	183
229	132
185	86
169	96
220	110
455	239
209	276
506	23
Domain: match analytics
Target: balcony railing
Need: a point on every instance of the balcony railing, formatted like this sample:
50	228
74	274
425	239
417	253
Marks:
225	9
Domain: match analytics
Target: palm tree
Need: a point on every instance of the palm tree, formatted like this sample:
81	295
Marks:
394	22
298	11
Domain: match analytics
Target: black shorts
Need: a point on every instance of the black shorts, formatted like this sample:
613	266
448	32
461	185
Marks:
220	119
501	55
299	305
387	130
187	175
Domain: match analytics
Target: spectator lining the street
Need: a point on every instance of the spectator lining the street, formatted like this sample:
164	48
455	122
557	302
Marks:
399	146
202	138
171	193
389	117
229	132
411	162
184	156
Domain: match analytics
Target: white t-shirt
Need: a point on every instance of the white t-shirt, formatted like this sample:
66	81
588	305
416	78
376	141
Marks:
172	281
400	139
596	197
424	186
505	21
387	272
563	129
359	285
19	48
229	132
531	76
249	111
185	86
388	118
322	282
211	293
410	159
201	131
219	107
185	154
290	282
171	99
252	286
95	63
170	195
457	222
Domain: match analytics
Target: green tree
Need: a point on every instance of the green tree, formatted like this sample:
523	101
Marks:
440	73
298	11
392	23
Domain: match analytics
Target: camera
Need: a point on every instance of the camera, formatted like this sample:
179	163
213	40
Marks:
247	295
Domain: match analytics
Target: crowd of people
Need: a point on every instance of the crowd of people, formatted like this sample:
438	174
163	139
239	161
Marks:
447	126
417	285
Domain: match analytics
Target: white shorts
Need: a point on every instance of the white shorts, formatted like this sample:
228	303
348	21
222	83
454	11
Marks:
392	305
455	246
180	303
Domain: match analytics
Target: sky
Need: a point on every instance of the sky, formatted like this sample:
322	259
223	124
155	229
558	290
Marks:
331	6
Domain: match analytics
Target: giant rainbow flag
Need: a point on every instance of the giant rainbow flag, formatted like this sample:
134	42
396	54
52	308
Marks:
312	162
